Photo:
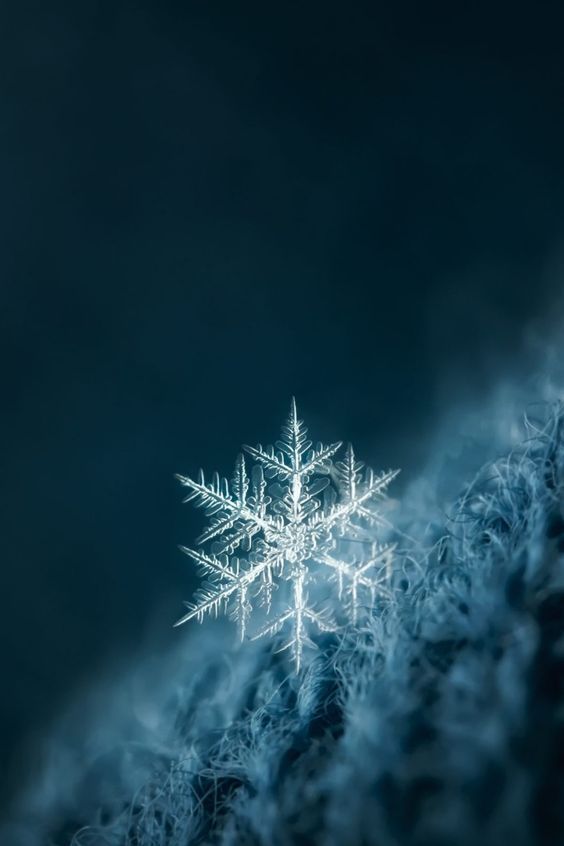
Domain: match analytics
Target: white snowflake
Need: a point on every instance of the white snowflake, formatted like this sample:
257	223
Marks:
299	519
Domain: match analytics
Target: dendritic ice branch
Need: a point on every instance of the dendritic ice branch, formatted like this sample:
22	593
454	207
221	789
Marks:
299	522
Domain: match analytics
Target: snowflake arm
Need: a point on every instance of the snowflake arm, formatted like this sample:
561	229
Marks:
210	565
226	582
225	511
371	576
358	499
292	448
299	614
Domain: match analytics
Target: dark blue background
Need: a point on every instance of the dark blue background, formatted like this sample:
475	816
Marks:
207	207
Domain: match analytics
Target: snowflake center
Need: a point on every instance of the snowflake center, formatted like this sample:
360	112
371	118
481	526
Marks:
295	543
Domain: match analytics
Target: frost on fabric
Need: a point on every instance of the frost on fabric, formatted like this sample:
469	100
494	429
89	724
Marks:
435	719
298	520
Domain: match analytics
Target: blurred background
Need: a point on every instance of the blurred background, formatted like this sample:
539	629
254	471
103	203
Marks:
209	207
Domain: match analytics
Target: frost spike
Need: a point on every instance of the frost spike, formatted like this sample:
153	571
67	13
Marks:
241	480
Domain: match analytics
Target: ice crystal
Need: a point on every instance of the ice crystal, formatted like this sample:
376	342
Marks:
298	520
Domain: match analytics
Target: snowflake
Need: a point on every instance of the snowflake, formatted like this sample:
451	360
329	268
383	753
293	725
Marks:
298	519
